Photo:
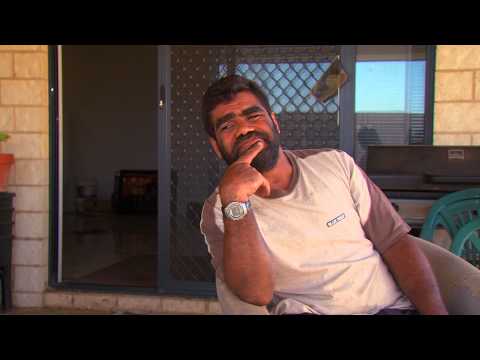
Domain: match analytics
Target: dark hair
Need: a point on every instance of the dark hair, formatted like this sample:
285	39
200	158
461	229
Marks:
224	90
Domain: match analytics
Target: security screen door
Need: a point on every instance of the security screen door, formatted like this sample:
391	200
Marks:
189	170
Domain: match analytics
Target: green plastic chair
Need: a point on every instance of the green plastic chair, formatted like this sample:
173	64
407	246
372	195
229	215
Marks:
454	212
469	232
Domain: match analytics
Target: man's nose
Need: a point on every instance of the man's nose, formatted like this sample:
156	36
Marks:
243	127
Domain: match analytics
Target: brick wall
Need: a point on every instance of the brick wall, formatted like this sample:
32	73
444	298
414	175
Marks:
141	304
457	95
24	115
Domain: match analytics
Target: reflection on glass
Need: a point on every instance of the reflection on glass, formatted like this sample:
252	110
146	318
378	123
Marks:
109	165
390	83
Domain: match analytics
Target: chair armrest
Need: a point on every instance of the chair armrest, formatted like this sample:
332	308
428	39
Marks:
458	280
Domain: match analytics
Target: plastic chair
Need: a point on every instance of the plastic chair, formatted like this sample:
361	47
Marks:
453	212
458	280
469	232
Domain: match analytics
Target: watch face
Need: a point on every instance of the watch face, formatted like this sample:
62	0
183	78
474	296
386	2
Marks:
235	211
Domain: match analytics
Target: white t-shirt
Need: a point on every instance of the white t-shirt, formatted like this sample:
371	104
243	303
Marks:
324	237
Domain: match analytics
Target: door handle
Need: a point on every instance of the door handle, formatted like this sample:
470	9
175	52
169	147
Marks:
162	101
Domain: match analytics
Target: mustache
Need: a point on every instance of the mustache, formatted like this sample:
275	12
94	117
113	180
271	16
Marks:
247	137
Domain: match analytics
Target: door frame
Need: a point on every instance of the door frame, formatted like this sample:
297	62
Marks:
165	283
165	280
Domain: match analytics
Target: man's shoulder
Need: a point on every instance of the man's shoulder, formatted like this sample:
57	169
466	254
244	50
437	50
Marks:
212	201
325	160
211	213
306	153
320	154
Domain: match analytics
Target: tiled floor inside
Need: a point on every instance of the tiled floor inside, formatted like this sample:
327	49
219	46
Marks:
122	250
106	248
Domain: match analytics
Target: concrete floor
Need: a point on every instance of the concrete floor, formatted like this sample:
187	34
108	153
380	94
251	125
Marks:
63	311
56	311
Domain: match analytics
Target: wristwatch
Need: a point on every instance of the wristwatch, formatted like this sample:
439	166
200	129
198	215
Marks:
236	210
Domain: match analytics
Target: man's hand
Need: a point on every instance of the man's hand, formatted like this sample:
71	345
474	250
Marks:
241	180
246	261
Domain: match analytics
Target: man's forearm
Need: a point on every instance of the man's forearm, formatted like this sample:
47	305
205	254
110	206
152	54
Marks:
415	277
246	262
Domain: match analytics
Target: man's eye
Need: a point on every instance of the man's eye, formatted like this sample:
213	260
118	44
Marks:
225	126
254	117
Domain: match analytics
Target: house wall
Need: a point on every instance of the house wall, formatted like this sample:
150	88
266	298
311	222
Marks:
24	114
457	95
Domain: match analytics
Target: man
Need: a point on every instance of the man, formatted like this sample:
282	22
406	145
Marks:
301	232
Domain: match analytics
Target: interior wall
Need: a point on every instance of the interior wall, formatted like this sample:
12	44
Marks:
109	114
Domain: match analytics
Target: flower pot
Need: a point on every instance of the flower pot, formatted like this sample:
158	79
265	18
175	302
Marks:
6	162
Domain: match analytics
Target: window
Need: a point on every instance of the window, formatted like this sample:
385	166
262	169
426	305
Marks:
288	74
390	97
390	87
289	85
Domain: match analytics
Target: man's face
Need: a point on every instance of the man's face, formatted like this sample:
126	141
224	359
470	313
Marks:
240	123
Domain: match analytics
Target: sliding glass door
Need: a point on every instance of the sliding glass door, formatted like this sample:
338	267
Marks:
132	164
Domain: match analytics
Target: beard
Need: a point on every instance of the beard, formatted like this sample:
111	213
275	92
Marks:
265	160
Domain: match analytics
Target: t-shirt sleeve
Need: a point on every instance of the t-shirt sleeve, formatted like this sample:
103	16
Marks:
211	227
381	222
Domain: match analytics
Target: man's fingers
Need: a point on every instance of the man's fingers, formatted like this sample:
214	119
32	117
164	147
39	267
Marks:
266	186
251	153
264	189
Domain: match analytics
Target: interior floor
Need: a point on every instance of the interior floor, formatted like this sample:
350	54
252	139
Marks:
111	249
122	250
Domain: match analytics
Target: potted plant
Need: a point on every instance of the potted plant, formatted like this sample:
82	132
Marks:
6	162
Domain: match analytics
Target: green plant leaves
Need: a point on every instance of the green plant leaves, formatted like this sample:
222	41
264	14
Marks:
3	136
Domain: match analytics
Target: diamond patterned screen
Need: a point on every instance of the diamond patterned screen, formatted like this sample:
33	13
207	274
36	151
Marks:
287	74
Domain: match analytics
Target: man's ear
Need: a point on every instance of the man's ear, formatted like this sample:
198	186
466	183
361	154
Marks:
215	148
275	121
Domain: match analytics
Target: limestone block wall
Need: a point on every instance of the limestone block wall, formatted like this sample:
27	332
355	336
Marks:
457	95
24	115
